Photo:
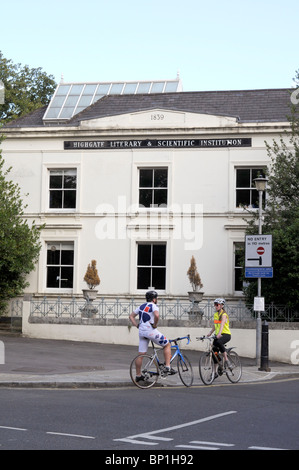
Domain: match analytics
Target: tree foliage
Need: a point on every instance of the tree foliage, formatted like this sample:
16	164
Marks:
281	218
19	243
26	89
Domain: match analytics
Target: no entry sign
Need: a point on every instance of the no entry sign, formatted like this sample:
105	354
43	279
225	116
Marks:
258	251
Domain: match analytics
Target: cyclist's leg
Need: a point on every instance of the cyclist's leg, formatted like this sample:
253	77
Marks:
167	354
215	362
220	343
143	347
138	363
226	339
158	338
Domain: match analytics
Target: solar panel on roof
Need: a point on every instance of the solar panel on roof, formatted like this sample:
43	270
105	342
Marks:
71	98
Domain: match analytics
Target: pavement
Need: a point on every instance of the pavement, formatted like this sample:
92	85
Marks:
42	363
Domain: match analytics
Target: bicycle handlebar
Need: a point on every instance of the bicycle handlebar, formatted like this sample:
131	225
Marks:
206	337
178	339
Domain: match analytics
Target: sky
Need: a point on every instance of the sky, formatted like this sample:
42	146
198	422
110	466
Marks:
232	45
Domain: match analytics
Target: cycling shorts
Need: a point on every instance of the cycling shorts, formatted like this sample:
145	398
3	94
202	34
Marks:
147	334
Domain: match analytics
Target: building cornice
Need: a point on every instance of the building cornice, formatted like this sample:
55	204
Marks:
76	132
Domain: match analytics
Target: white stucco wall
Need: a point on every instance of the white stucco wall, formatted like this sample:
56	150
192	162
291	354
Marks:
283	343
201	218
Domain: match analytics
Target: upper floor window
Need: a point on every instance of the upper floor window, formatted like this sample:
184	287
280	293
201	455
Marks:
153	184
151	265
246	194
63	188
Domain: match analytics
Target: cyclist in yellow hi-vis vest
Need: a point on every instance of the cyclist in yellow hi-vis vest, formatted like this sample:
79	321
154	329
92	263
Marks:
220	328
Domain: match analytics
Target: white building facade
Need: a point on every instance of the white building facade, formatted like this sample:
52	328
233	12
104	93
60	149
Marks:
140	183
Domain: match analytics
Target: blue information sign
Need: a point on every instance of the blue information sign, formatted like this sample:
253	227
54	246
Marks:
258	272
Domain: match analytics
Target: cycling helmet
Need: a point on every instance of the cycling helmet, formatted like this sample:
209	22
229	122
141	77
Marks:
219	301
150	295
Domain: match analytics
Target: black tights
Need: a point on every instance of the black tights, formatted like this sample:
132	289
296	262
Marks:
219	343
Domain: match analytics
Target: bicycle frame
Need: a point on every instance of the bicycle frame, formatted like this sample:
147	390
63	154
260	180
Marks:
175	347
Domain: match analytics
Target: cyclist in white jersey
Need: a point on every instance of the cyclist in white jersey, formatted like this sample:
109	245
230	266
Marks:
148	319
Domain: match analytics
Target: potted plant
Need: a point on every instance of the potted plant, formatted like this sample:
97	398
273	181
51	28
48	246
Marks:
195	296
92	280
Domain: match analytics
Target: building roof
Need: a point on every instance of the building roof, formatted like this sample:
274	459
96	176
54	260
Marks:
269	105
72	98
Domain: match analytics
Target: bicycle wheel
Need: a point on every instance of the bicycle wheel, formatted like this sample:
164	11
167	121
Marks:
234	372
185	370
206	368
149	371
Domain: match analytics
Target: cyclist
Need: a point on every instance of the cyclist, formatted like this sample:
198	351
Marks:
221	328
148	319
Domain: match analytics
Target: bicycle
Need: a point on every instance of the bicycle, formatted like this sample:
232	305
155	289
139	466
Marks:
152	368
209	360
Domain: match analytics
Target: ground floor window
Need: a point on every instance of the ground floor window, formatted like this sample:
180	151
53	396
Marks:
238	265
151	265
60	265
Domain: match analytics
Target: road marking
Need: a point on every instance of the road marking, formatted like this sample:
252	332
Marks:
70	435
265	448
151	434
204	445
148	436
133	441
14	429
221	444
188	446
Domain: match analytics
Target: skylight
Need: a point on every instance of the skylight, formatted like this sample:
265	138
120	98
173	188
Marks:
72	98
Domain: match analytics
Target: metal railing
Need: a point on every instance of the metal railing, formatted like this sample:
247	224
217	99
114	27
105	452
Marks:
121	308
279	313
16	308
175	309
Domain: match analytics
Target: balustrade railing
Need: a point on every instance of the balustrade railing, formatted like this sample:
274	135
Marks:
279	313
169	309
121	308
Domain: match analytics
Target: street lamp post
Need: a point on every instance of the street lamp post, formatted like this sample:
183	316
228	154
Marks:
260	184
